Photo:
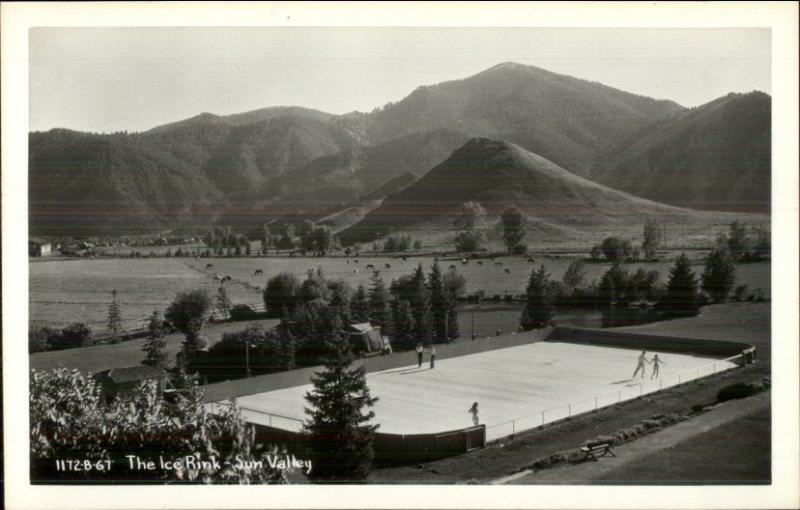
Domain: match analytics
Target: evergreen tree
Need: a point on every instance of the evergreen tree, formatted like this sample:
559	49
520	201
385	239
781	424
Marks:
379	311
114	318
421	307
513	229
681	296
359	305
402	325
339	416
539	310
719	275
153	348
439	304
452	320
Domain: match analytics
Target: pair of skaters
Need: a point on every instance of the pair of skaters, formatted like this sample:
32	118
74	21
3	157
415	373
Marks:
641	365
420	353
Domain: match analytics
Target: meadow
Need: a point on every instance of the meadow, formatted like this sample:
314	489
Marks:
64	291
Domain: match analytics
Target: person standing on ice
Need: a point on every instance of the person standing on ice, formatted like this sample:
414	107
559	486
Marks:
474	411
420	351
433	356
640	366
656	363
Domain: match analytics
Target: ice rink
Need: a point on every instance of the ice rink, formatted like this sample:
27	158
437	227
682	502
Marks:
516	388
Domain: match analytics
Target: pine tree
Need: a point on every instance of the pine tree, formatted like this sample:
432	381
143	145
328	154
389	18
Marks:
114	318
439	305
154	354
681	296
402	325
421	307
452	321
339	416
379	311
359	306
719	275
539	310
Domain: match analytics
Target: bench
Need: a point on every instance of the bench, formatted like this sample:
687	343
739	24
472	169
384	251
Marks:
594	450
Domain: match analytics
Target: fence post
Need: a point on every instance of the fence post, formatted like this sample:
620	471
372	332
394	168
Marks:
595	404
569	410
513	428
270	419
542	418
619	396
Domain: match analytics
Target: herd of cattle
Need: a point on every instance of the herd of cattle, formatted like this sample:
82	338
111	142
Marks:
372	267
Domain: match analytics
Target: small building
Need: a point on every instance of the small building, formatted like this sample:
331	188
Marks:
365	337
123	380
38	247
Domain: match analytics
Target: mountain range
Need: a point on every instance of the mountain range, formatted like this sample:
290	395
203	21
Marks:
293	163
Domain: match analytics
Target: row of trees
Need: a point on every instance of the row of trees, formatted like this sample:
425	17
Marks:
414	309
738	242
618	286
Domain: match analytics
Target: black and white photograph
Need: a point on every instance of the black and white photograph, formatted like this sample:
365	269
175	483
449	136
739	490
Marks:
341	253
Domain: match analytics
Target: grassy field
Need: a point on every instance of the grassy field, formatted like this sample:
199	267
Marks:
63	291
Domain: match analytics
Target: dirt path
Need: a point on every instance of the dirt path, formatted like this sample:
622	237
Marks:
649	446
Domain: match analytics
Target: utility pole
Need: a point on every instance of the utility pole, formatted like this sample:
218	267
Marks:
247	357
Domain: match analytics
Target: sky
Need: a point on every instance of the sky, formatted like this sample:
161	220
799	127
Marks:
133	79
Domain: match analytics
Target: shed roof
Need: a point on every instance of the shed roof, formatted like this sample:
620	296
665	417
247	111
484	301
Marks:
130	374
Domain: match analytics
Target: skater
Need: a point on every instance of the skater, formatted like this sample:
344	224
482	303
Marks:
433	356
656	363
640	366
420	350
474	411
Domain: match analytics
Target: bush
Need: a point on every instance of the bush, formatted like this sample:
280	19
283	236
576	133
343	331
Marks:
76	334
736	391
42	338
469	240
242	312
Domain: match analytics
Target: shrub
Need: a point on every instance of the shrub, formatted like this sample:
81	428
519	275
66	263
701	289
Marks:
736	391
242	312
76	334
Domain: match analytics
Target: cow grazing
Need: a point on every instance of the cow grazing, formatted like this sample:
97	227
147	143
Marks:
452	267
371	266
356	261
258	272
388	266
226	279
508	271
464	262
217	278
480	262
209	266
